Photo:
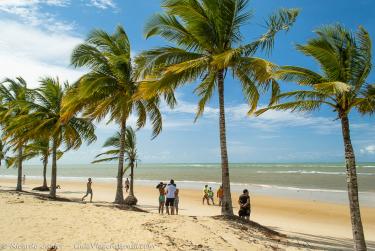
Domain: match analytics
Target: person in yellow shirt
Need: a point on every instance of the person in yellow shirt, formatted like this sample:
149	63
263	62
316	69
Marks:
220	195
205	195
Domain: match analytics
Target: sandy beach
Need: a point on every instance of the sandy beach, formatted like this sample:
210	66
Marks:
305	224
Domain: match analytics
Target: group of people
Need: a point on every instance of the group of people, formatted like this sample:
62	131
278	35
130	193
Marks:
243	201
208	195
168	196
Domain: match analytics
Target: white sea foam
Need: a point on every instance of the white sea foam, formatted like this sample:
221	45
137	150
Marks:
313	172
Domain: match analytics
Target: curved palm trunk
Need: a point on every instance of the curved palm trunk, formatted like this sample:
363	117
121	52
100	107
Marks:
45	163
54	170
226	207
19	167
351	173
119	191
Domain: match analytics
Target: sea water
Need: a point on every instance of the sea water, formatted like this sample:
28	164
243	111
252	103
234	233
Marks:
315	181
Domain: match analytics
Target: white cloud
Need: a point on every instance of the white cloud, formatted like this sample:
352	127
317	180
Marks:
30	12
32	53
269	121
370	149
102	4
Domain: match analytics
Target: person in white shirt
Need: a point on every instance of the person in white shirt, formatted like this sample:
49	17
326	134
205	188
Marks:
171	193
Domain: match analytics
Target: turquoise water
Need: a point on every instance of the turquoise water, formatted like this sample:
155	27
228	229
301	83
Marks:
324	176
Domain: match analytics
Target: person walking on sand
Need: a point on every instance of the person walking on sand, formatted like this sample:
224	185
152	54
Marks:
205	195
211	195
127	184
161	186
220	195
171	190
244	202
176	200
24	179
89	190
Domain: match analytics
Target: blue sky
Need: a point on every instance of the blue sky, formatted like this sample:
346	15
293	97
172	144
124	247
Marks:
37	36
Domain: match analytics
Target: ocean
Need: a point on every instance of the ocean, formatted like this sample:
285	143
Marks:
321	181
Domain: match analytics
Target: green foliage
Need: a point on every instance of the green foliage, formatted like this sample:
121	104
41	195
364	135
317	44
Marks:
114	144
108	89
43	120
208	39
345	61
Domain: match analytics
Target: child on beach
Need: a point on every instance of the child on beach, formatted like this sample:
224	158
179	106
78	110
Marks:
161	186
211	195
220	195
127	183
89	190
176	200
244	202
171	190
205	195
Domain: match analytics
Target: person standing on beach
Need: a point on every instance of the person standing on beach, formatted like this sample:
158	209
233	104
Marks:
89	190
220	195
205	195
24	179
244	202
176	200
211	195
127	183
161	186
171	191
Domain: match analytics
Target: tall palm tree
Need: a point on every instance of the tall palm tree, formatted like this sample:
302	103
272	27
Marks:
12	92
45	119
131	157
345	62
107	90
208	45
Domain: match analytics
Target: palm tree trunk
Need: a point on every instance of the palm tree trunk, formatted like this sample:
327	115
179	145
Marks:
45	163
131	192
226	207
131	200
54	170
351	173
119	192
19	166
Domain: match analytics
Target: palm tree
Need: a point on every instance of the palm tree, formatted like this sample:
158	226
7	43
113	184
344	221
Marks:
12	92
130	156
45	119
41	147
108	88
208	44
345	62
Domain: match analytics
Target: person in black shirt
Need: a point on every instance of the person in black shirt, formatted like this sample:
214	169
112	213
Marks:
244	202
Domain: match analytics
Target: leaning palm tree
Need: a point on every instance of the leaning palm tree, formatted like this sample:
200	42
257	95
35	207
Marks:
130	156
107	90
208	45
12	92
345	62
44	120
